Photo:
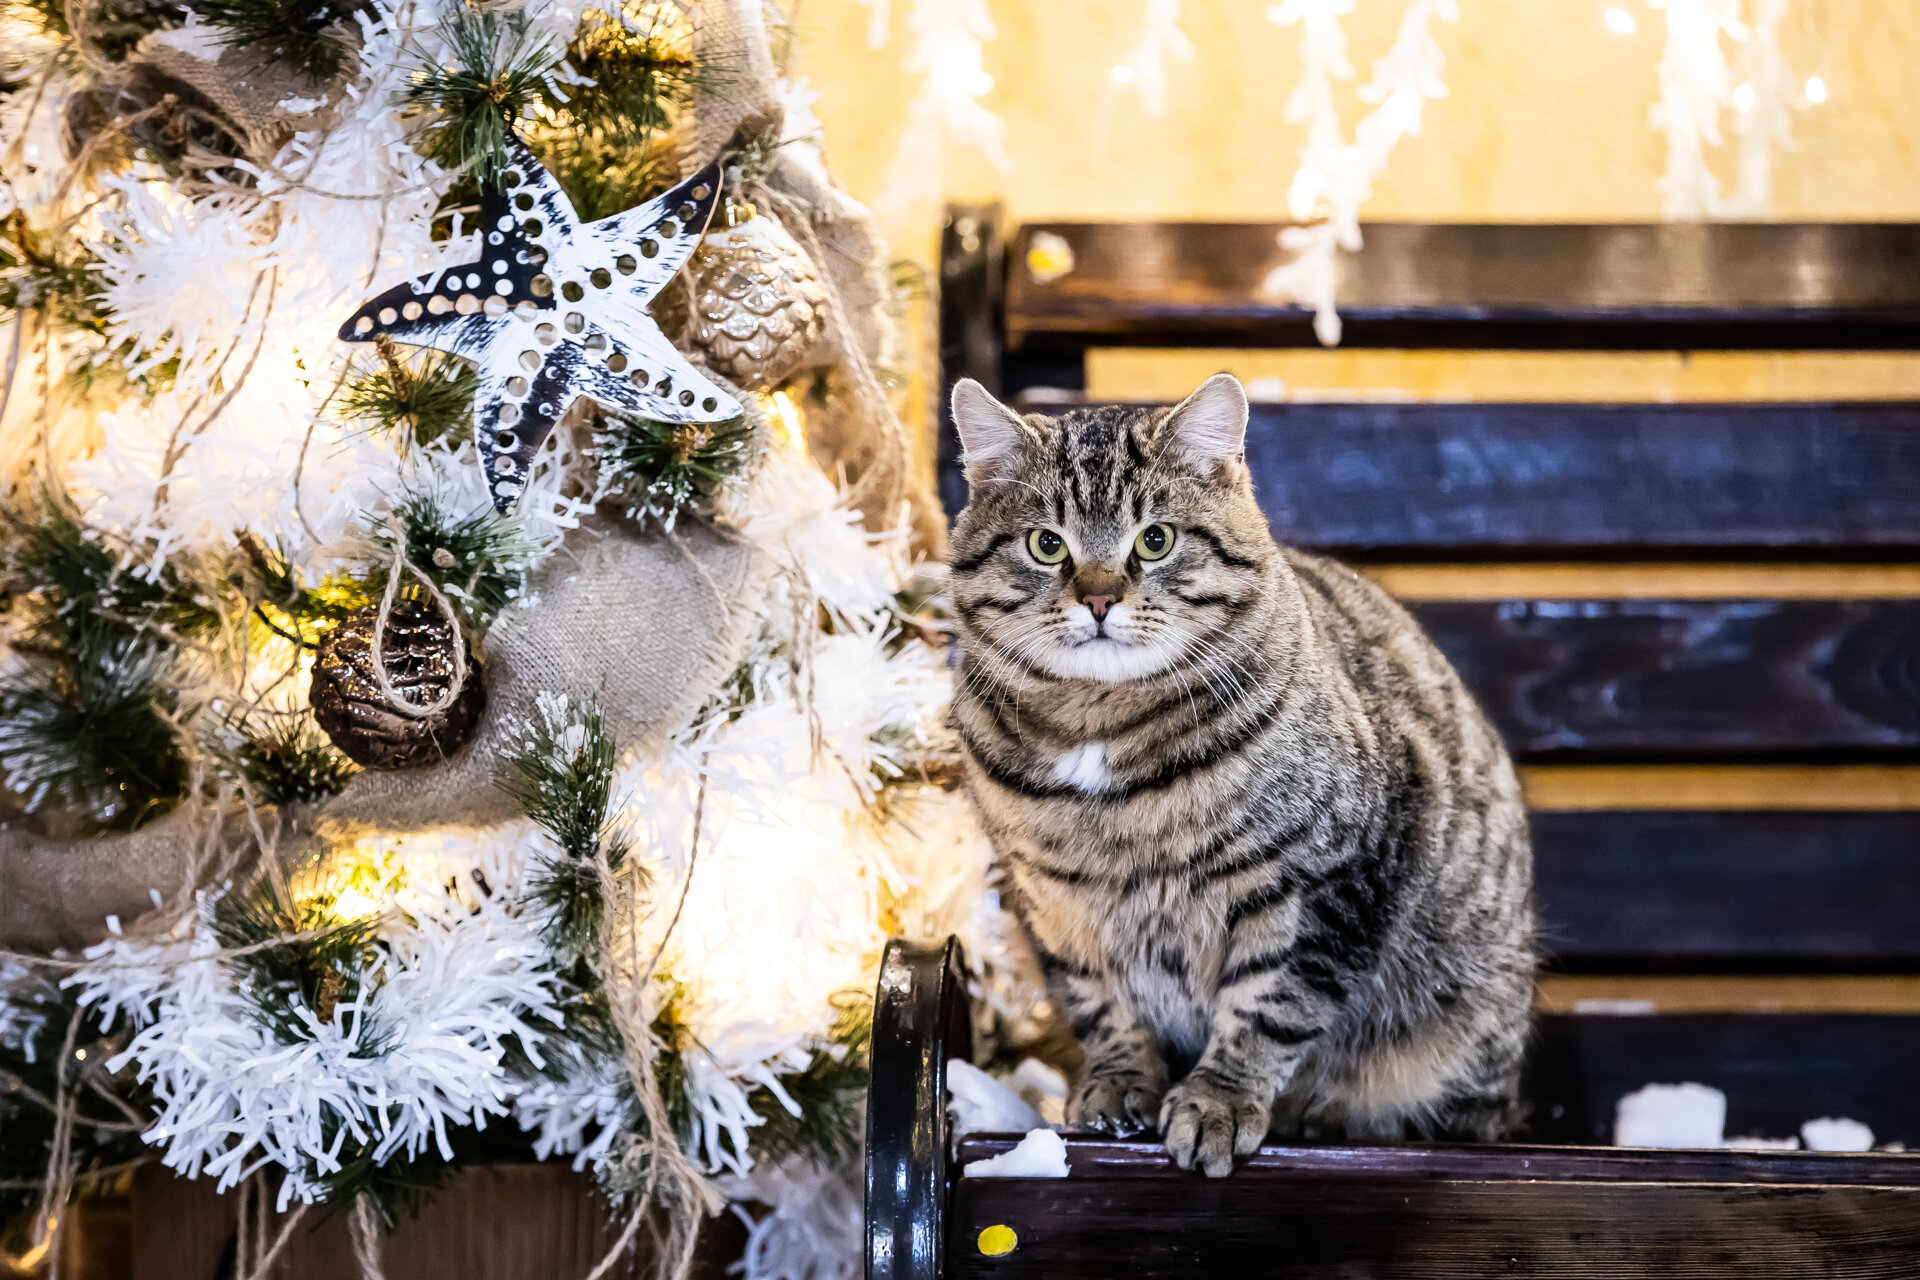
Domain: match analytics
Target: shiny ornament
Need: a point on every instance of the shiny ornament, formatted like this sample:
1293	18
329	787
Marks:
556	309
759	310
417	649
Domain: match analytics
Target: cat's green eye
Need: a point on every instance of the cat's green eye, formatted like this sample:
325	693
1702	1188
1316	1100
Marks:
1046	546
1154	541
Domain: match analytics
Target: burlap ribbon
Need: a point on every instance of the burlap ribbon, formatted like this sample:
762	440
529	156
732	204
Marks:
645	624
860	435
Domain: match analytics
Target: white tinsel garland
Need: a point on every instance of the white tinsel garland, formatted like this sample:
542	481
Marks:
459	972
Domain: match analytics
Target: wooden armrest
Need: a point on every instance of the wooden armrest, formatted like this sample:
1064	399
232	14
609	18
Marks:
921	1017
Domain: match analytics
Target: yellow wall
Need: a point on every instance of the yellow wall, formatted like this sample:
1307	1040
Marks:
1546	118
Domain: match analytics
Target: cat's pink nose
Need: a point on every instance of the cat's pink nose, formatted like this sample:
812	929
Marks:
1098	606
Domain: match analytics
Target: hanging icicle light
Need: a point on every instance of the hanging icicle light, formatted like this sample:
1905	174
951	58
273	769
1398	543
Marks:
1145	67
1336	177
1698	81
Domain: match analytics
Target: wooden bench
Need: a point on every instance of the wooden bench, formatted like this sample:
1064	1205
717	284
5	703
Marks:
1406	1212
1698	626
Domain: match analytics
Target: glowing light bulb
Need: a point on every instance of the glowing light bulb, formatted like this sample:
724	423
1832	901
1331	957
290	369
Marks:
1816	89
354	903
1620	21
783	416
1743	97
1122	74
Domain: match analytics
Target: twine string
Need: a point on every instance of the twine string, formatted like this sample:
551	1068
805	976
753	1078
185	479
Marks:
395	699
364	1226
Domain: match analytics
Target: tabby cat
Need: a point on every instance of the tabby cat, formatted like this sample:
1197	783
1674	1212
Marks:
1270	855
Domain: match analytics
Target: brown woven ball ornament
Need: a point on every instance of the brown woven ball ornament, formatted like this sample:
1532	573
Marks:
758	308
417	648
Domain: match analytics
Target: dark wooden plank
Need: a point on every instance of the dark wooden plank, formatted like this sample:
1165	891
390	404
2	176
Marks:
1675	285
1584	679
1095	1156
1315	1229
1463	480
489	1222
972	271
1777	1070
1745	891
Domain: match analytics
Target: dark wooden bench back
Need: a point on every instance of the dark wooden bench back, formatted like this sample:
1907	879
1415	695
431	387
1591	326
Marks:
1750	922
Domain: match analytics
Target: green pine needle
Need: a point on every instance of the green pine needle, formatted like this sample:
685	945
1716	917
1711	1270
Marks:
559	770
479	560
431	399
316	975
56	276
636	77
114	27
39	1012
86	589
87	717
497	72
627	84
287	606
667	467
312	36
93	736
293	763
830	1092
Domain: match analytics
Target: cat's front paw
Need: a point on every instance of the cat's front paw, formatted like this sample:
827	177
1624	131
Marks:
1121	1105
1207	1123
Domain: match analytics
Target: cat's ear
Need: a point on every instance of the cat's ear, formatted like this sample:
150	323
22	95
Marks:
990	433
1210	426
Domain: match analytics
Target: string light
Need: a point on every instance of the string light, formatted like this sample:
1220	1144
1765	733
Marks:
1816	89
1743	97
783	416
1620	21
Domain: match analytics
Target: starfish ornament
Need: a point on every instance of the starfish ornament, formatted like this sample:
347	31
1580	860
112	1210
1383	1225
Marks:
557	309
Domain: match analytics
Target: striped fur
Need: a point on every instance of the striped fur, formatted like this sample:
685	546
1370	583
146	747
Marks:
1271	856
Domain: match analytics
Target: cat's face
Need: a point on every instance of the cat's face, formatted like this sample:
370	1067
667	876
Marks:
1109	544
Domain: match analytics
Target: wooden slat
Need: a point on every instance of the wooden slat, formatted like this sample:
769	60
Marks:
1572	678
1094	1157
1599	580
490	1222
1554	788
1682	285
1608	377
1641	994
1386	482
1777	1070
1450	481
1679	889
1307	1228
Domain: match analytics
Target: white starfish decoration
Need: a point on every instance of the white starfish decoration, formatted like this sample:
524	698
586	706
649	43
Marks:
557	309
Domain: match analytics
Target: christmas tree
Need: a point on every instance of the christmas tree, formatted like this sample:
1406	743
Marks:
472	681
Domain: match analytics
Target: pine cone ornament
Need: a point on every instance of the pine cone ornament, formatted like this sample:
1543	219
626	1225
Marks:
418	652
758	307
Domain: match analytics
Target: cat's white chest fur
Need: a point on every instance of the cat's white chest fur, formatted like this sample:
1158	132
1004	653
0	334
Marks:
1084	768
